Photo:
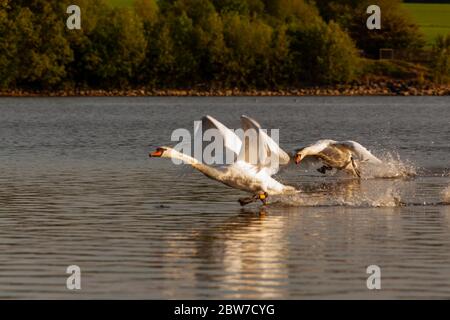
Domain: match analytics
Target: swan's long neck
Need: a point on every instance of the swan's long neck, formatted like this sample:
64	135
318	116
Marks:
203	168
310	151
174	154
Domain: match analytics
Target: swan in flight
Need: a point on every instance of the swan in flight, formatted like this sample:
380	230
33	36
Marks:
244	173
342	155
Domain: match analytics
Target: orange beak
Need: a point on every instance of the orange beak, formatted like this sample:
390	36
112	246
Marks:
156	154
297	159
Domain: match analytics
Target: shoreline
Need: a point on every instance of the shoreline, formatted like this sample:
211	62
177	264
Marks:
390	88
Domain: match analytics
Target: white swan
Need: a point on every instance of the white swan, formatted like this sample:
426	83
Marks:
241	174
342	155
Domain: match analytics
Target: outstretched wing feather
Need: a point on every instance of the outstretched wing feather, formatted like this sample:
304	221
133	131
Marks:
265	147
359	151
231	140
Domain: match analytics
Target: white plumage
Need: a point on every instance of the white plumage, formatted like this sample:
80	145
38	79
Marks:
258	158
341	155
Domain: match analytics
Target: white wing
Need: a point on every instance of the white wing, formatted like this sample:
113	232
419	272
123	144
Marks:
231	141
262	149
361	152
317	147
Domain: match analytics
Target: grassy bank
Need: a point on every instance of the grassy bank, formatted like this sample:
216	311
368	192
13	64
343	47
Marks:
433	19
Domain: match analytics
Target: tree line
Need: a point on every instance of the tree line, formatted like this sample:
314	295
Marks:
187	43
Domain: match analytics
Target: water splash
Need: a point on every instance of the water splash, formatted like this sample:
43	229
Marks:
338	196
392	167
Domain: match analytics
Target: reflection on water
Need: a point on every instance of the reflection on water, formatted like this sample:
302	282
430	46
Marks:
251	265
77	187
446	195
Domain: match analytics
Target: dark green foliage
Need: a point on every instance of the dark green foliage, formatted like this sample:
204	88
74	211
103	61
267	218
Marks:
441	59
394	69
323	54
184	43
8	47
243	7
34	51
398	31
110	47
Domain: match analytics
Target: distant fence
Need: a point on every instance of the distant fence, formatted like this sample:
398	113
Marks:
386	54
417	55
412	55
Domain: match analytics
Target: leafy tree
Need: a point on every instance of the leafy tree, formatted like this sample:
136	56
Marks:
243	7
323	53
38	51
441	59
398	30
279	68
188	43
8	49
147	10
110	47
248	43
182	43
159	64
299	11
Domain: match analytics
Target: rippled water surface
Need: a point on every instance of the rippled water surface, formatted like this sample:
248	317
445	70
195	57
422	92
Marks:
77	187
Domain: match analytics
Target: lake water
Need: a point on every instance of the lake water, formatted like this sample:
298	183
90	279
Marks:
77	188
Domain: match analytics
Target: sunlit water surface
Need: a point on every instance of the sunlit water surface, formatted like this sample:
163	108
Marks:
77	187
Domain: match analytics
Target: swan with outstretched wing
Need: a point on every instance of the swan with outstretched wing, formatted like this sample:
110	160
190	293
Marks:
258	157
341	155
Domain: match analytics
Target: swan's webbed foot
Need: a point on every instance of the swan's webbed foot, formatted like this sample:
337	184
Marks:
355	168
247	200
324	169
263	197
259	196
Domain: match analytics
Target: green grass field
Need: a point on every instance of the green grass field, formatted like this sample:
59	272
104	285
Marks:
433	19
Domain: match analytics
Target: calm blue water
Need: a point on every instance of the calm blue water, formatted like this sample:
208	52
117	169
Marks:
77	187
